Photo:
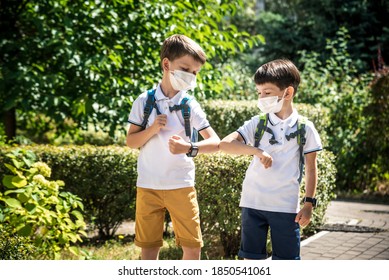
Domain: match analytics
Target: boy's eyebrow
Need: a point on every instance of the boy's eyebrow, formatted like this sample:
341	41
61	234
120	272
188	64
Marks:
264	89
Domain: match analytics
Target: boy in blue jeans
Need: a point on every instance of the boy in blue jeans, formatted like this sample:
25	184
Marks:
166	170
270	192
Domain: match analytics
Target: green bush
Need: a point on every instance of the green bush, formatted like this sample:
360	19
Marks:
358	113
36	207
376	146
105	178
14	246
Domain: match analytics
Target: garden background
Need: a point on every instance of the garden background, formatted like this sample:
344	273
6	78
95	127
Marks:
70	71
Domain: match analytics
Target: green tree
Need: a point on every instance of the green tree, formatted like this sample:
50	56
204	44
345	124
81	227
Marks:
66	64
290	26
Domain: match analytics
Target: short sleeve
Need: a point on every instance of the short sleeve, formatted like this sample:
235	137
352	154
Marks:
137	110
198	116
247	130
313	142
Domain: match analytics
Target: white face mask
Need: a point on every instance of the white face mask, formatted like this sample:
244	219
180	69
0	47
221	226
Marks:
270	104
182	80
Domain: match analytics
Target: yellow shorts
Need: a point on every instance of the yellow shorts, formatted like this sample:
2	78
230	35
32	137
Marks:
150	216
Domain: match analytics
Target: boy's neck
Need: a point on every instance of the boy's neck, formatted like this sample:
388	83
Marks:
285	112
167	89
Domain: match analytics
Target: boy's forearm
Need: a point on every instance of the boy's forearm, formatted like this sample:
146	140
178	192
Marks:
310	175
310	182
138	139
210	145
233	146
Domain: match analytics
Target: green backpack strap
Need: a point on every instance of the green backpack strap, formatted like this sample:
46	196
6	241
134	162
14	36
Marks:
300	133
261	128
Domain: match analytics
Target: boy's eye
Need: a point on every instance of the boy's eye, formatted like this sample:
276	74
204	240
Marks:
187	70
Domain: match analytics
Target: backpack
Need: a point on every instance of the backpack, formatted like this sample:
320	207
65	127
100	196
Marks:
299	133
185	111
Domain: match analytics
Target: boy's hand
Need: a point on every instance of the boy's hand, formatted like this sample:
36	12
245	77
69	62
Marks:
265	158
177	145
159	122
303	217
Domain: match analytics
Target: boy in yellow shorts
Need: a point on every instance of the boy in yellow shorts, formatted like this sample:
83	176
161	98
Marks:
166	170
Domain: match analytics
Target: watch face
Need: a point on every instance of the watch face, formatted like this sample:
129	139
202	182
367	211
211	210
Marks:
194	151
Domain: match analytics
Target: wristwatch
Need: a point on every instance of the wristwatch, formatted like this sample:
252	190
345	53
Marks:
311	200
193	151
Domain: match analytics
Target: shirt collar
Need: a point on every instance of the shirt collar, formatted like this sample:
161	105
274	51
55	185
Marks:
291	120
160	96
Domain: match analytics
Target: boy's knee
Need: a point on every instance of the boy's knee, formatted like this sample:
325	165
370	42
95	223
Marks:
191	253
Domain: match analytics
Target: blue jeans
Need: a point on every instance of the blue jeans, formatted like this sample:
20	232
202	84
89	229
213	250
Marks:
284	233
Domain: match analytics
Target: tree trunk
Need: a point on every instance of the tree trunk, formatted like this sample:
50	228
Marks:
10	123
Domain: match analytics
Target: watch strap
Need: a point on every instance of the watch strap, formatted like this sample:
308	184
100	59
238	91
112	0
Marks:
311	200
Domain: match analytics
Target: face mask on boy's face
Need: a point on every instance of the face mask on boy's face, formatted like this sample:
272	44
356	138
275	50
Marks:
270	104
182	80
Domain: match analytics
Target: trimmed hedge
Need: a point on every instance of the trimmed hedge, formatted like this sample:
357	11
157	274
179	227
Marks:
105	179
14	246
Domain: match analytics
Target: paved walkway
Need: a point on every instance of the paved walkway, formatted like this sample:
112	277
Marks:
353	231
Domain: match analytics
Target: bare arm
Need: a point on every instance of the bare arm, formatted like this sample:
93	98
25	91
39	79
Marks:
136	137
305	214
211	141
234	144
210	144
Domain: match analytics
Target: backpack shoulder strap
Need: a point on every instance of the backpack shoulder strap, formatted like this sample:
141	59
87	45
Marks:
185	111
149	106
261	127
301	140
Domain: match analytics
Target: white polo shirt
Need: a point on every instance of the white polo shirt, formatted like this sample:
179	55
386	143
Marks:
157	167
276	188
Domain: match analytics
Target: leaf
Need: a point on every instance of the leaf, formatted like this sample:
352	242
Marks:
74	250
31	208
15	191
26	230
7	181
18	164
11	167
19	182
12	202
77	214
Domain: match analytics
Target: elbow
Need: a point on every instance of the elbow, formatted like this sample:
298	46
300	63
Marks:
222	145
130	144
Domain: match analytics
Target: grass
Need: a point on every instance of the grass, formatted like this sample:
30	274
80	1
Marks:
123	249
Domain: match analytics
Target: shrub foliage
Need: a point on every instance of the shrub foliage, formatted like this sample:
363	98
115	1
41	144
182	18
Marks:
35	207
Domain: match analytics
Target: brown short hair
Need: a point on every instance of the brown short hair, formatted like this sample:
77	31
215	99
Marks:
281	72
178	45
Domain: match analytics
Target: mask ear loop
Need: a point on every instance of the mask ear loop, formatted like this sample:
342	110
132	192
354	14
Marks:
283	95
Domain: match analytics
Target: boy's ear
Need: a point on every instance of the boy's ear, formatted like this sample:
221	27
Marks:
165	64
289	92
